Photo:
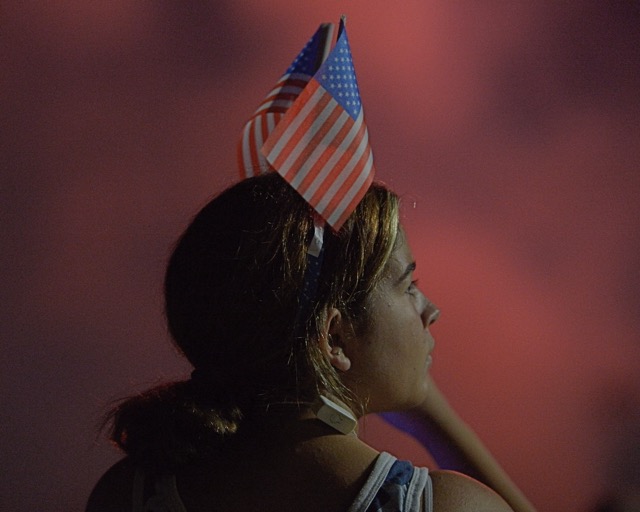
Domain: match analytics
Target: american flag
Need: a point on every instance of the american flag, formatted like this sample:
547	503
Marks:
278	101
321	145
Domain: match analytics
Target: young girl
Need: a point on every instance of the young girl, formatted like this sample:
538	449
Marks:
266	421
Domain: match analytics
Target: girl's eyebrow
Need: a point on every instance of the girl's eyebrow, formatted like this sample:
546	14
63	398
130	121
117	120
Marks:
410	268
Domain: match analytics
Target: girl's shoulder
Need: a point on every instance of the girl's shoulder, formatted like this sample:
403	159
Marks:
454	491
114	490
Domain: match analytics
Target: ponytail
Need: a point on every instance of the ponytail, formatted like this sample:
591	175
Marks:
170	425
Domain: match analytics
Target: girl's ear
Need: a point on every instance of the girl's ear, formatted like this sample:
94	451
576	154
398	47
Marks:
331	341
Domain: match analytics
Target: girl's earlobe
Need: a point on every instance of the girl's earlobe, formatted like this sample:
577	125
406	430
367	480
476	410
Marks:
339	359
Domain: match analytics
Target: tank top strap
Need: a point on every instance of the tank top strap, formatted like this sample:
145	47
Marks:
395	486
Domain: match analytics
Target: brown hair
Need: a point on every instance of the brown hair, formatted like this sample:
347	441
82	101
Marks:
233	301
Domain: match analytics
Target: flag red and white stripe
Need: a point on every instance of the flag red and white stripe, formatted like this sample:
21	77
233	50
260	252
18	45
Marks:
264	120
323	153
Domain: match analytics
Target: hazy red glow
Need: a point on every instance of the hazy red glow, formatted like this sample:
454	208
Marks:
511	132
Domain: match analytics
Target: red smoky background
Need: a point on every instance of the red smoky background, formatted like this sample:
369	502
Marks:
511	130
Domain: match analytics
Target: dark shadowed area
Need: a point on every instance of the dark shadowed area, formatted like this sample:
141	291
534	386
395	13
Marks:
511	129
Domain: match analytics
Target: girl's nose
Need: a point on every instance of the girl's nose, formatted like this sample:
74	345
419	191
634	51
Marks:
430	313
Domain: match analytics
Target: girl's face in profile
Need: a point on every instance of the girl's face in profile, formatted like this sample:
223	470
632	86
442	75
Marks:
391	360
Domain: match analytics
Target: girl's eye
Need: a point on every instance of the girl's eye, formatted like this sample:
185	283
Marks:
413	287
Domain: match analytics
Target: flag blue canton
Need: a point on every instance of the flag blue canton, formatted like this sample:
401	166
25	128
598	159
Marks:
307	60
338	77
